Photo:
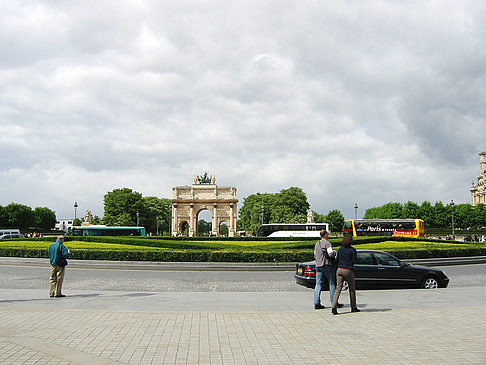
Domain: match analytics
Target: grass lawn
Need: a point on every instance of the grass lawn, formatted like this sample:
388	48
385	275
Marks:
81	245
246	246
419	245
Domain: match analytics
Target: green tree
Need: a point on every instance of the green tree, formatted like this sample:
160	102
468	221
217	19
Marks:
95	220
372	213
479	213
3	217
411	210
392	211
336	220
203	227
223	229
121	207
320	218
464	216
154	215
442	215
251	212
123	219
44	218
435	216
426	213
19	216
287	206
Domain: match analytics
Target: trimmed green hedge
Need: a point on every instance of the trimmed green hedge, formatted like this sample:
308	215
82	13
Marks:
187	256
182	249
215	256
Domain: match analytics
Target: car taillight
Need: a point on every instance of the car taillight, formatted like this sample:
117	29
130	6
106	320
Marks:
309	272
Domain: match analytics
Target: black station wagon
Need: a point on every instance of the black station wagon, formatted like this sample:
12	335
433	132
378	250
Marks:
380	270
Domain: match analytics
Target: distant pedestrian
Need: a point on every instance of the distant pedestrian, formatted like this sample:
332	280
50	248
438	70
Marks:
58	253
346	257
325	256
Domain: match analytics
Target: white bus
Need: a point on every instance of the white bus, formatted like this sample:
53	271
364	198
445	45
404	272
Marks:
292	229
10	233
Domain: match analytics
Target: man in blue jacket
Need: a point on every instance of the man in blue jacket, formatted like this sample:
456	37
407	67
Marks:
57	251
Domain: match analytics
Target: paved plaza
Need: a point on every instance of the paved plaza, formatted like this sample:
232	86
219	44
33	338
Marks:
444	326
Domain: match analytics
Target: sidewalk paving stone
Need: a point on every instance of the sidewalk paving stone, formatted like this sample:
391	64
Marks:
409	326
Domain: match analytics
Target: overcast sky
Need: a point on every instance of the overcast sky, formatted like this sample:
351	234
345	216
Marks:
361	102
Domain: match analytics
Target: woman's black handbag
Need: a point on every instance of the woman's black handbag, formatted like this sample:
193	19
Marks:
61	261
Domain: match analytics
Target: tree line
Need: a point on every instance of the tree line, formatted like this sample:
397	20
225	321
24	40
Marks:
125	207
439	215
287	206
23	217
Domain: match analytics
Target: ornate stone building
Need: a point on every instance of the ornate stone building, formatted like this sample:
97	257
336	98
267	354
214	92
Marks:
204	194
478	190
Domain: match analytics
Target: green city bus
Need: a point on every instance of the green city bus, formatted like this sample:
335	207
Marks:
101	230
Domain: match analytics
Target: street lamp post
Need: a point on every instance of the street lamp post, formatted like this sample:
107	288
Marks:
452	210
137	219
157	232
355	211
75	209
262	215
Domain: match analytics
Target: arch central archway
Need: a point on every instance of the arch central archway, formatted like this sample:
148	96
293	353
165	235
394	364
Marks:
204	221
189	201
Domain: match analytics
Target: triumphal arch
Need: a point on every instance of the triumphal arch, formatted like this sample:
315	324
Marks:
204	194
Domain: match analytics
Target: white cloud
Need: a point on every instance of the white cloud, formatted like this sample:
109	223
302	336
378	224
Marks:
364	102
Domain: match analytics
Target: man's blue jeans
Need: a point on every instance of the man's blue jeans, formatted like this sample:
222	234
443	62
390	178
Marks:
328	272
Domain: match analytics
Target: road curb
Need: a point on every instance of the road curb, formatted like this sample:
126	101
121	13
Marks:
214	266
448	261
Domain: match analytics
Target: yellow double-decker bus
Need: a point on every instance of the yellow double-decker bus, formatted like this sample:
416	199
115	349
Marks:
385	227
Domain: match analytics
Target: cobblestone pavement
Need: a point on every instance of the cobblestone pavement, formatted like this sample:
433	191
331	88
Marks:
442	326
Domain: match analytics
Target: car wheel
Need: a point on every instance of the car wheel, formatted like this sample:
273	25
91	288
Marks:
430	282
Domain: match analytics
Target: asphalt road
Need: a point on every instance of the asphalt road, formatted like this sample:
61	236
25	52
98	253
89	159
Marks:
29	277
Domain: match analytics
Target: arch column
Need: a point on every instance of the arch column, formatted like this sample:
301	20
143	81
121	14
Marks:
173	221
192	229
232	222
215	224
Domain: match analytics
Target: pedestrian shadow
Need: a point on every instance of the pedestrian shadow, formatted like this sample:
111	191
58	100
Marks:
363	308
370	310
48	299
376	310
137	295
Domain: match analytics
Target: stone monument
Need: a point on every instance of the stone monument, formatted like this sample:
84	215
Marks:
88	218
478	190
310	216
204	194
